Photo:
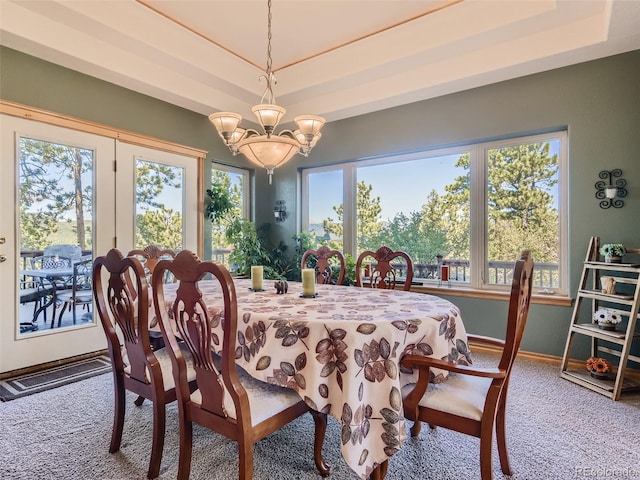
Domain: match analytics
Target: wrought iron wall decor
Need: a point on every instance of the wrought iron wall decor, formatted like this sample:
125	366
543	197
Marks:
608	192
280	211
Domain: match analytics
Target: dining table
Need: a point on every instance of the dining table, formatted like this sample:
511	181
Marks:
340	350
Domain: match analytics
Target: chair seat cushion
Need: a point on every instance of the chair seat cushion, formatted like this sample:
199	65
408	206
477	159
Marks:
265	399
461	395
164	359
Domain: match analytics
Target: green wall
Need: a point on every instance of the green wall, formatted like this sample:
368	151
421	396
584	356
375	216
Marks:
598	101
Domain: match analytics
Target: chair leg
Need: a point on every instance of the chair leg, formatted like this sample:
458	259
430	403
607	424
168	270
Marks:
380	471
118	414
157	442
245	460
415	429
501	439
138	401
186	446
320	420
62	310
486	463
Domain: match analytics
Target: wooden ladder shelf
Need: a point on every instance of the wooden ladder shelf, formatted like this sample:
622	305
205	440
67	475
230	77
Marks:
614	344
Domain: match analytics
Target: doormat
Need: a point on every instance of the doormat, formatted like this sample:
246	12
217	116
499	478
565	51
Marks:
28	384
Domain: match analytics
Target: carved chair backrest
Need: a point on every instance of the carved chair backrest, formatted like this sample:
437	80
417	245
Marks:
326	260
519	302
190	319
121	293
150	256
382	274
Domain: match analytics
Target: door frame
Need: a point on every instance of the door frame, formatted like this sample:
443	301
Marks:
38	351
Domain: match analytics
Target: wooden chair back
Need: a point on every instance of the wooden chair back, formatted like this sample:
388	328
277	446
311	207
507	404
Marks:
222	400
473	400
150	256
192	321
383	274
121	294
326	260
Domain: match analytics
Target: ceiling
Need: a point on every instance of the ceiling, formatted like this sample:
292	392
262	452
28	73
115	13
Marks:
332	58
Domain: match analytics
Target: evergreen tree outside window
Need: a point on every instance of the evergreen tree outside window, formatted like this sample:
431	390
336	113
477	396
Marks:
475	207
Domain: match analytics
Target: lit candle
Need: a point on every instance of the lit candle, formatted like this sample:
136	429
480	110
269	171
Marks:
256	277
308	282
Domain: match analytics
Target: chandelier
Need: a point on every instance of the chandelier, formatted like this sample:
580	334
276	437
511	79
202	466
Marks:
268	150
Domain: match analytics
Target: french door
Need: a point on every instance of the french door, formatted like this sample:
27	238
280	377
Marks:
61	187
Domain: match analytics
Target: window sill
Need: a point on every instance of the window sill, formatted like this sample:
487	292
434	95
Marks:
539	299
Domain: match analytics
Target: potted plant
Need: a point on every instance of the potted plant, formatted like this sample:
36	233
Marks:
607	319
599	367
613	252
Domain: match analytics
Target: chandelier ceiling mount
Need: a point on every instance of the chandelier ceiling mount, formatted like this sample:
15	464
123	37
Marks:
267	149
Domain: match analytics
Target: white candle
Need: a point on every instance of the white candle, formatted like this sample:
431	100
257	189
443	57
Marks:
308	282
256	277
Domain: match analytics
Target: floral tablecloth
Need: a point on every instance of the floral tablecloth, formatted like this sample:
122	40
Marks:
340	351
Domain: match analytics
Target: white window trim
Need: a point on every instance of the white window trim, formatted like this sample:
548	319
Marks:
478	208
246	178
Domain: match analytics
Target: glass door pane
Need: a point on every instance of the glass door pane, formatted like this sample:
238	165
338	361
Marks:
156	199
159	205
55	185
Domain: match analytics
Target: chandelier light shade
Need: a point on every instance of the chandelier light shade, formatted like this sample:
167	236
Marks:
267	149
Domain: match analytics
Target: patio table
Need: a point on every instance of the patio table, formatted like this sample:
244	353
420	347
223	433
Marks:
341	350
51	275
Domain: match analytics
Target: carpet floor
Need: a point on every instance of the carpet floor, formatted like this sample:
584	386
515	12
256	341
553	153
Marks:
556	431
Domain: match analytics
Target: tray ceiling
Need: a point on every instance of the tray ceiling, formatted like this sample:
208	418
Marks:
332	58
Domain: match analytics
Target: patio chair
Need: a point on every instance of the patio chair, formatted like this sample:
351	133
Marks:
382	273
227	400
325	267
122	299
40	292
473	400
79	294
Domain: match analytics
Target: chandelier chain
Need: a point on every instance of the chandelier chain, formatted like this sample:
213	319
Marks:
269	38
268	149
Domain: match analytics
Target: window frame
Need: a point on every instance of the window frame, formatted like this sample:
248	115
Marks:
246	186
478	153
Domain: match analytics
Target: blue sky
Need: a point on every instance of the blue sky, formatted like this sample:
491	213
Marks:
403	187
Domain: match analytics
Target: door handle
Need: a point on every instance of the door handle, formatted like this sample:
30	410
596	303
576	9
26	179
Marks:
3	258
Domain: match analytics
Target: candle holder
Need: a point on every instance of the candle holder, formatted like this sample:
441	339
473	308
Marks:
302	295
607	192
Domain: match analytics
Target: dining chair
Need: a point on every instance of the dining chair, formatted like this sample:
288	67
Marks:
325	261
227	400
473	400
150	256
382	273
122	300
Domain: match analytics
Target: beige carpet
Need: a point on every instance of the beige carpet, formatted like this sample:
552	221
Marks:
557	430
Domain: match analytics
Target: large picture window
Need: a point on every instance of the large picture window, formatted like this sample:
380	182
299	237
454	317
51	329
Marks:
472	207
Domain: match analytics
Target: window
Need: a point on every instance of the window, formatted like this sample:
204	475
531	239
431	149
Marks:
235	182
472	208
159	205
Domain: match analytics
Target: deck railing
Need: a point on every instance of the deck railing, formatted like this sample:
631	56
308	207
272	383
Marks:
545	275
